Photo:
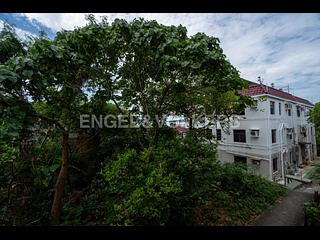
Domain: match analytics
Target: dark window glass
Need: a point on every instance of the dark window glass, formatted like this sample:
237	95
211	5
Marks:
241	161
279	108
298	111
272	107
239	136
273	135
218	134
275	164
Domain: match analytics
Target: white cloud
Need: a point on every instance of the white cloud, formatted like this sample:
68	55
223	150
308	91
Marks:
22	34
282	48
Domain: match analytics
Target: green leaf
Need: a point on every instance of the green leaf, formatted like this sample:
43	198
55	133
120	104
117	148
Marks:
196	65
27	73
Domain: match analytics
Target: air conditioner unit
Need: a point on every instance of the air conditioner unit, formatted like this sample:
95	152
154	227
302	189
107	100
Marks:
254	132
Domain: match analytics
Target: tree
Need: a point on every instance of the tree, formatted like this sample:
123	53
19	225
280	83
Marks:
10	44
315	119
141	67
164	71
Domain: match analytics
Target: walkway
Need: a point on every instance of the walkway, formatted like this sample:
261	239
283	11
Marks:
289	211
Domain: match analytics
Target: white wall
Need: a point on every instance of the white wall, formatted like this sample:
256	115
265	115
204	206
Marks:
262	146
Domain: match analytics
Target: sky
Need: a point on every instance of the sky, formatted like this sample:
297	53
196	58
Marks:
283	49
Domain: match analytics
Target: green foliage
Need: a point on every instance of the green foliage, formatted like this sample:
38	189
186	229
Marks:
144	190
10	45
312	214
314	117
317	171
119	176
8	155
238	196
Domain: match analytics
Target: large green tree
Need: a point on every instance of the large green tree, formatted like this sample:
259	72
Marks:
163	71
315	119
142	67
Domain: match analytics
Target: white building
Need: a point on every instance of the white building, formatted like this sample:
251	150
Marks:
274	139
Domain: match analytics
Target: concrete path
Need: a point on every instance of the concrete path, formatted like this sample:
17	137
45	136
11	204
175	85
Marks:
288	212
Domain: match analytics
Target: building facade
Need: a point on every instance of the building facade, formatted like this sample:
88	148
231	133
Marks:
273	139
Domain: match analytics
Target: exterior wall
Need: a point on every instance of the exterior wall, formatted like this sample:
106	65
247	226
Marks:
262	168
260	149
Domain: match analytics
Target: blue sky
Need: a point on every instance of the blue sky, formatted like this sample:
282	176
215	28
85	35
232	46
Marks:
281	48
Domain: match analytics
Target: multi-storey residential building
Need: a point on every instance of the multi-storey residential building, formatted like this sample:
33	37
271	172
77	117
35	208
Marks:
274	139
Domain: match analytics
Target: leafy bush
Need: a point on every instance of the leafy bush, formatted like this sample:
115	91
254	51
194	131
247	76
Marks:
237	196
158	185
312	214
178	182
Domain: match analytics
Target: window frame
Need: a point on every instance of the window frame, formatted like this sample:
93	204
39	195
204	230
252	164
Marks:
298	111
279	106
275	164
272	107
241	162
236	132
273	135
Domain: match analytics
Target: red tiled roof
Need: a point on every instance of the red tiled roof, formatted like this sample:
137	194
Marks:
258	89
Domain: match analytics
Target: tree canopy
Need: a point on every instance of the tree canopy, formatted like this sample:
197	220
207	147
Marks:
139	67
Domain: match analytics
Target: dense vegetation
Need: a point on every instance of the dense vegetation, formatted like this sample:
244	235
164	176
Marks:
315	119
312	209
54	172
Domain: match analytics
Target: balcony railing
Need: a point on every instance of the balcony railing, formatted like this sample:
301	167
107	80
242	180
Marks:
302	139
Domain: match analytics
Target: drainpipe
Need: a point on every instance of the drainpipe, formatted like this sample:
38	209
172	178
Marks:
268	140
281	155
309	139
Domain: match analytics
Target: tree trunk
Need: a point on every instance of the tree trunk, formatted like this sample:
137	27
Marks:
61	181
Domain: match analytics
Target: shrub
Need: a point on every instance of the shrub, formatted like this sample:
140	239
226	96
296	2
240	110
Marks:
159	185
312	214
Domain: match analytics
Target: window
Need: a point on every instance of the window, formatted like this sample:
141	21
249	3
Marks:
239	136
288	108
279	108
298	111
240	160
272	107
273	135
275	164
218	134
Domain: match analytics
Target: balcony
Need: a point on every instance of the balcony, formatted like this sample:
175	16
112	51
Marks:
302	139
302	136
